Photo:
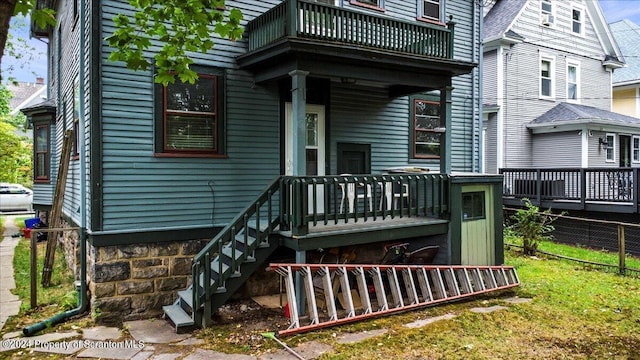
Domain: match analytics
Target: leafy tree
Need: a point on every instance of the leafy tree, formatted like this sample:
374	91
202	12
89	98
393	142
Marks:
180	26
532	226
15	152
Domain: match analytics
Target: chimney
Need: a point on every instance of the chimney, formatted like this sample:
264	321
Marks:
40	80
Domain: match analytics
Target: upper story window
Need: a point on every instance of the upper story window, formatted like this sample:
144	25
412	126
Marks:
573	82
430	10
41	153
546	77
609	148
426	129
635	149
189	117
372	4
546	13
577	21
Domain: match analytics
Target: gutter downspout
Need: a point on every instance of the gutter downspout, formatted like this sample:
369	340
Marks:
83	302
480	91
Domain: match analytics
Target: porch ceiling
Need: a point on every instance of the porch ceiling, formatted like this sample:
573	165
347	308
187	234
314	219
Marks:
401	73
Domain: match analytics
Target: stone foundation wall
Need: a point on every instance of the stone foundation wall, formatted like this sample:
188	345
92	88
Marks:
134	281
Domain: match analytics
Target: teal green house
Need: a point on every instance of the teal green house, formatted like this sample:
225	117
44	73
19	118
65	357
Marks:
331	130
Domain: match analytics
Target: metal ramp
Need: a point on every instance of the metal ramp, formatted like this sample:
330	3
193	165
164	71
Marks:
365	291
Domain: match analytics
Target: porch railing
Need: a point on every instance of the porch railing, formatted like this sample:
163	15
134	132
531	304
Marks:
310	201
310	20
606	185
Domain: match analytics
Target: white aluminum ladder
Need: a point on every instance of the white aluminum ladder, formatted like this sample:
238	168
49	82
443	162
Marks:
365	291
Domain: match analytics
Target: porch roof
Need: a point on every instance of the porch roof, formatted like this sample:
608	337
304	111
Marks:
401	73
565	114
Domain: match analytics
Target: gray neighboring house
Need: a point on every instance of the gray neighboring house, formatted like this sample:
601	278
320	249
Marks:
26	95
626	81
547	70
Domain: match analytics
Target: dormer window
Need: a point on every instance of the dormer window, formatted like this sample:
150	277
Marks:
546	13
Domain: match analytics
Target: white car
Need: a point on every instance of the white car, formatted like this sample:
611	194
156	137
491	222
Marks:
15	197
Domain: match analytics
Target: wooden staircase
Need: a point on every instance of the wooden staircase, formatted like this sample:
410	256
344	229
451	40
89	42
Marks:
228	260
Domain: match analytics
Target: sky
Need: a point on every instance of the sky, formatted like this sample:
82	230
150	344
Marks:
27	71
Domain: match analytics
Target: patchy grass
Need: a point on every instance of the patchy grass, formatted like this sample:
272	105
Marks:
575	313
58	297
577	251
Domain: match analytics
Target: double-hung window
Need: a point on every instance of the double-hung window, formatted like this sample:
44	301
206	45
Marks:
577	21
426	128
41	153
610	148
573	82
378	4
546	77
635	149
430	10
546	13
190	117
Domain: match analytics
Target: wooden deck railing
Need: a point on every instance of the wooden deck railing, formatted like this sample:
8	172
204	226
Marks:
310	20
615	186
342	199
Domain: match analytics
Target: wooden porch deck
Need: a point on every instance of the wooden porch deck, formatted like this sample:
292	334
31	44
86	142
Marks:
363	232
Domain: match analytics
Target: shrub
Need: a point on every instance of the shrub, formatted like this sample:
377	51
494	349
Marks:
532	226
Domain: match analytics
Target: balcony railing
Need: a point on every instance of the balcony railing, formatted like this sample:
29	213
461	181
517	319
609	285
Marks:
309	20
618	186
322	200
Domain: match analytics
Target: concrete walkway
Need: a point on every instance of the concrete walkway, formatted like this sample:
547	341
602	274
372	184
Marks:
9	303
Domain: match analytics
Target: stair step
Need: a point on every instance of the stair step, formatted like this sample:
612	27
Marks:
227	251
186	296
178	316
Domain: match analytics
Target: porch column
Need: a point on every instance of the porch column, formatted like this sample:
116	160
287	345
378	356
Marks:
445	121
298	114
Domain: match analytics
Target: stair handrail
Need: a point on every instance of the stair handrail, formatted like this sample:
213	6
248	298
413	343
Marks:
202	261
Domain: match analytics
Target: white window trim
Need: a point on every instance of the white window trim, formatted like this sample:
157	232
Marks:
634	159
420	9
552	14
552	76
575	64
582	21
610	146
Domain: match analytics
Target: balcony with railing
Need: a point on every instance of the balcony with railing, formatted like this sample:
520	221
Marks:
320	22
590	189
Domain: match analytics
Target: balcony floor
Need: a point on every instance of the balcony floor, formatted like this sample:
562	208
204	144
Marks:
363	232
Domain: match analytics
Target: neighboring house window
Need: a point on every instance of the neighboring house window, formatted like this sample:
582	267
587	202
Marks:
573	82
426	126
635	149
190	116
546	77
546	13
376	4
41	151
577	21
610	153
430	9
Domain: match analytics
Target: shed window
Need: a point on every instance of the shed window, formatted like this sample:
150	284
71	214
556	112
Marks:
426	126
190	116
473	206
41	153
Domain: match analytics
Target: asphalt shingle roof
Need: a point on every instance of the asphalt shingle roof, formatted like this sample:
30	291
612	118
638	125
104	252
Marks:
572	113
627	35
498	19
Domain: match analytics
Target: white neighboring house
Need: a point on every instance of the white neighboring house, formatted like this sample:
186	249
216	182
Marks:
26	94
626	81
547	69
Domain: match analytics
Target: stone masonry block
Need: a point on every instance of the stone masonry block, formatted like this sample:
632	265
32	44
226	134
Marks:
102	290
135	287
133	251
112	271
146	262
150	272
172	283
181	266
164	249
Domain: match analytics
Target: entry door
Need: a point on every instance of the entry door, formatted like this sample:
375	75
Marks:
478	237
625	150
314	150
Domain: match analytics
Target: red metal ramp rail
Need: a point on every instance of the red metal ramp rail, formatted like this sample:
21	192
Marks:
380	289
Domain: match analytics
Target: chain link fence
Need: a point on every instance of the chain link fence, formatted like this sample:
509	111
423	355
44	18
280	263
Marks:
610	245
